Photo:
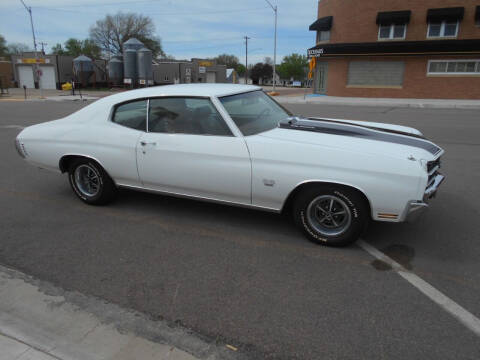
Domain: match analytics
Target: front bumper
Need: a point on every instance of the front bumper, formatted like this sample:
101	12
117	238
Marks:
416	208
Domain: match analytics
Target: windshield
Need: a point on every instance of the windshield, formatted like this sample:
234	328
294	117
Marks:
254	112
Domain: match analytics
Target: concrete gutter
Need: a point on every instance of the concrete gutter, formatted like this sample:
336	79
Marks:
42	322
381	102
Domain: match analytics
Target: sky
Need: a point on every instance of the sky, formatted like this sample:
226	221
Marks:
187	28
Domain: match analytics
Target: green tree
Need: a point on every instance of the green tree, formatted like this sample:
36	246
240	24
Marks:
58	49
110	33
3	46
76	47
240	69
293	66
231	61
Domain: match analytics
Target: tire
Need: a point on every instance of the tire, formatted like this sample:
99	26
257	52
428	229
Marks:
331	215
90	182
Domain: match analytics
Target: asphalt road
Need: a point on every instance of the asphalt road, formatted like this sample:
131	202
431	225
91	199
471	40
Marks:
249	278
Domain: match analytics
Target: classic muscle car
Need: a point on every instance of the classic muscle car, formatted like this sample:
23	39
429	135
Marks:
236	145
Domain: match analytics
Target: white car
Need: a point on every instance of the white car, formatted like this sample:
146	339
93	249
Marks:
235	145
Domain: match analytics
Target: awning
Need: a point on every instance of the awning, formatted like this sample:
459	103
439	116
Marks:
401	48
322	24
393	17
445	14
477	13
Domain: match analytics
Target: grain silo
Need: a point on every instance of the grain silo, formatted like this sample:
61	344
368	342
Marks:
115	71
133	44
144	66
82	69
130	67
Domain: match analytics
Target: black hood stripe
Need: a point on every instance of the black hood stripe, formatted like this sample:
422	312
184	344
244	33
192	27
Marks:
361	131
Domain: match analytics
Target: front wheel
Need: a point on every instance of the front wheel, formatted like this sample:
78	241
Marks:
331	215
90	182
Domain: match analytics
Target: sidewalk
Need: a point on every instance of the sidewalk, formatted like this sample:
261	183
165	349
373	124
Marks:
400	103
41	322
17	94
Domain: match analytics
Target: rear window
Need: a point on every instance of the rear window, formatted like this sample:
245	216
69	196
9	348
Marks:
132	114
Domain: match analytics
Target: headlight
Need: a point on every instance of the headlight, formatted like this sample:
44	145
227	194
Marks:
20	148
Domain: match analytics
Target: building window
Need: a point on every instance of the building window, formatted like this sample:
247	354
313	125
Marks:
166	78
453	67
376	73
323	36
442	29
392	31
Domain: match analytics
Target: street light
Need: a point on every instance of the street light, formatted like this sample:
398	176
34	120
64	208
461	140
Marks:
37	75
274	8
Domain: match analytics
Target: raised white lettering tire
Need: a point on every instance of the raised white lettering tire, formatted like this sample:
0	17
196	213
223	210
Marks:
331	215
90	182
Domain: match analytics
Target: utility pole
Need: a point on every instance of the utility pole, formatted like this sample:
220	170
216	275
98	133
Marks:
274	42
29	9
43	44
246	59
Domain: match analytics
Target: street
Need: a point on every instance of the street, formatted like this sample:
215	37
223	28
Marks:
248	278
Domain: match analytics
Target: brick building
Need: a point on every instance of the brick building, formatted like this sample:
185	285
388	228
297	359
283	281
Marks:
398	49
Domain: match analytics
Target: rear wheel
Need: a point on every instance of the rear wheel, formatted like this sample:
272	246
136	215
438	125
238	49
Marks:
331	215
90	182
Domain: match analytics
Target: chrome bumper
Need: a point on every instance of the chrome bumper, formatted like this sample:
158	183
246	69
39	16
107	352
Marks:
416	208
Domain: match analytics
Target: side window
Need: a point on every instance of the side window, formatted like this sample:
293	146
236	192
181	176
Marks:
186	116
132	114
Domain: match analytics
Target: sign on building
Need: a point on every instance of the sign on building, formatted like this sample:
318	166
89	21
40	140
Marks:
32	61
201	69
205	63
315	52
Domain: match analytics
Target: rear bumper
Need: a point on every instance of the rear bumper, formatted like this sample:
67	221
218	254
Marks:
416	208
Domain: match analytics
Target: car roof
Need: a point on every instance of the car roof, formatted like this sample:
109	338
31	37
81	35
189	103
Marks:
183	90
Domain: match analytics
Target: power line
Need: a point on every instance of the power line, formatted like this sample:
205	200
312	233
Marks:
158	13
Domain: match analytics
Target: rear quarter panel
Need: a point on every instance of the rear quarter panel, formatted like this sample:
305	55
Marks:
112	145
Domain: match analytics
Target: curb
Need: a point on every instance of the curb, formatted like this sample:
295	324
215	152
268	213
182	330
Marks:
41	321
420	104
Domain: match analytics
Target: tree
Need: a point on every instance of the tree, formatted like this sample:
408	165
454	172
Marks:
3	46
58	49
261	71
268	60
293	66
18	48
75	47
231	61
240	69
110	33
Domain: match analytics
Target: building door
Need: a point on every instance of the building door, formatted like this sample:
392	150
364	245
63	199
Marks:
321	81
47	80
211	78
25	76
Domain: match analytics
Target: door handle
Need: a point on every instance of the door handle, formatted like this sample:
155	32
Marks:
145	143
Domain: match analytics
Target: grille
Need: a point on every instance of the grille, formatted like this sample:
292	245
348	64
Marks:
432	168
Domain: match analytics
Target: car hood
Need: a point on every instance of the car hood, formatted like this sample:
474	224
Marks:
362	136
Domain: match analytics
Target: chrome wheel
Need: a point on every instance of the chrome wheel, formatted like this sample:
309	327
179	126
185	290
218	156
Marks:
87	180
329	215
